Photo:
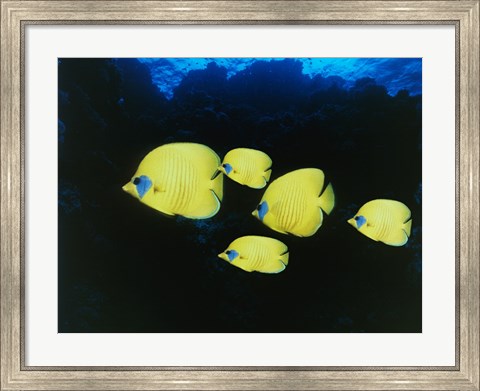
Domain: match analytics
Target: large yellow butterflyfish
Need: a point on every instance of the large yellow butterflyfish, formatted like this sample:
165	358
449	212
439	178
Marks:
386	221
179	179
257	253
293	203
248	167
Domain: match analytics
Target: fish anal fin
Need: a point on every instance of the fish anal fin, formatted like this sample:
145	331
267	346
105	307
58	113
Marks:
397	239
260	183
273	267
216	196
206	205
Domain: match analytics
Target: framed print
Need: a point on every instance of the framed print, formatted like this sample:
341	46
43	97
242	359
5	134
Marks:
239	195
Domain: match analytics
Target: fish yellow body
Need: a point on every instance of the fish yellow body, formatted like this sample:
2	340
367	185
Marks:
248	167
178	179
386	221
293	203
257	253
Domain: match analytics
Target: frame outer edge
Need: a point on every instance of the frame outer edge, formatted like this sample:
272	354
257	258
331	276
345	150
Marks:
11	192
211	12
469	184
9	226
4	243
12	377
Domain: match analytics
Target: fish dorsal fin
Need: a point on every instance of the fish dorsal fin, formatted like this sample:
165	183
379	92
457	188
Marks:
311	179
259	158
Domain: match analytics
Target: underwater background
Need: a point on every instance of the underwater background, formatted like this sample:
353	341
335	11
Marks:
123	267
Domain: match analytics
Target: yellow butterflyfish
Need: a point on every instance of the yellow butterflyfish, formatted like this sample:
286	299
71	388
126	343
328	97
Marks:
248	167
179	179
386	221
293	203
257	253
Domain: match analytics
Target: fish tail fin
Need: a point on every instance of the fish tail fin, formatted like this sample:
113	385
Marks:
407	227
217	186
327	200
267	174
284	258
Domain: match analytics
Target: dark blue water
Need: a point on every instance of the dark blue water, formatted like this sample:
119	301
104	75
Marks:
394	73
125	268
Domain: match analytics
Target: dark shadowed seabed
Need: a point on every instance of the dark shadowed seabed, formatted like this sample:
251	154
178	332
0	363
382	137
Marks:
125	268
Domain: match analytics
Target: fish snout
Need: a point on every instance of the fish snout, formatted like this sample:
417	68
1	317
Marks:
129	188
223	256
352	222
255	213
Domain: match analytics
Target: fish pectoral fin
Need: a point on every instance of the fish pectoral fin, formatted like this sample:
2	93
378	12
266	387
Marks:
158	189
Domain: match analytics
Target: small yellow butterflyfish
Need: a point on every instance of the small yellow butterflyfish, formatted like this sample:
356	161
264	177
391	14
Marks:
257	253
293	203
386	221
248	167
179	179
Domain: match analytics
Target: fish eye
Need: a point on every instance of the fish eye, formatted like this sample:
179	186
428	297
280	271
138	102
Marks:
259	206
227	252
224	165
136	181
356	218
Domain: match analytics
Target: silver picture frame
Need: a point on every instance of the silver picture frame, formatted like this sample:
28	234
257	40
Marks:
16	15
